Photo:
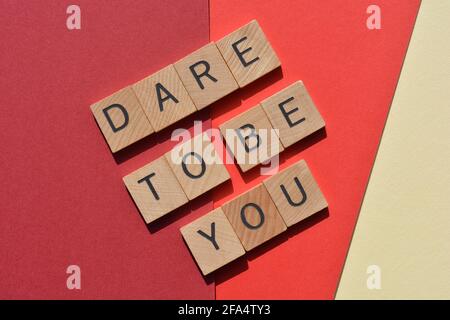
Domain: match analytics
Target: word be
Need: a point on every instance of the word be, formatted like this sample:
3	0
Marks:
191	84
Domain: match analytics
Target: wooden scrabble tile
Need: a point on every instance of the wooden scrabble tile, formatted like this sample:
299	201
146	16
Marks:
164	98
212	241
251	139
206	76
155	190
254	217
248	53
295	193
293	112
121	119
197	166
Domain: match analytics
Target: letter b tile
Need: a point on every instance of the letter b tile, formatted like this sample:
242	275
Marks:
295	193
254	217
155	190
121	119
212	241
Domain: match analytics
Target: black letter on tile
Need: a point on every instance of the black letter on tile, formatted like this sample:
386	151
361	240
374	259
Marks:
286	114
150	185
288	197
212	237
203	74
111	123
240	54
245	139
244	218
185	169
159	87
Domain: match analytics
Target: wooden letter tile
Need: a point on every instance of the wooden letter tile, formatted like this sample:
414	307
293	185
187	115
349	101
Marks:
295	193
155	190
251	139
248	53
206	76
197	166
293	112
254	217
164	98
121	119
212	241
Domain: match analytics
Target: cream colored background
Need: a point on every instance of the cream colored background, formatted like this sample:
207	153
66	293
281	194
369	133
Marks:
404	224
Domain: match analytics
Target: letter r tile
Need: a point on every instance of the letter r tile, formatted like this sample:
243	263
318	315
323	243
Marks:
248	53
121	119
212	241
293	113
206	76
254	217
155	190
295	193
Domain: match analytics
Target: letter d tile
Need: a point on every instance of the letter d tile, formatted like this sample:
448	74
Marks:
121	119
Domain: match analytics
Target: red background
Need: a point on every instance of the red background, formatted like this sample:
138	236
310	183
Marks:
63	200
351	73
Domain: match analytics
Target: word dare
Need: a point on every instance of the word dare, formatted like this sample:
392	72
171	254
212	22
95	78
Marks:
188	85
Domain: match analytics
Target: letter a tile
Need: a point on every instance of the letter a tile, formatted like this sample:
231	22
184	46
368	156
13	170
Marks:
206	76
164	98
155	190
295	193
254	217
121	119
293	113
212	241
248	53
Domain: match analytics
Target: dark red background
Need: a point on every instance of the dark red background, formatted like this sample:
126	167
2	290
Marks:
62	197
